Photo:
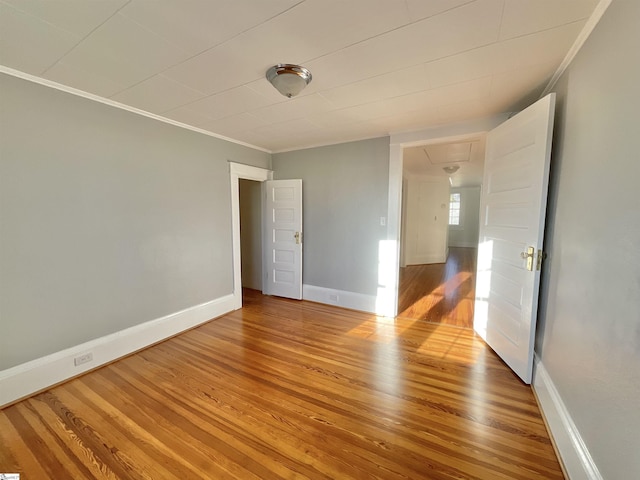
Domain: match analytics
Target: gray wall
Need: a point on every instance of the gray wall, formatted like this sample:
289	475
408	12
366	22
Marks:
344	190
589	335
251	233
107	219
466	234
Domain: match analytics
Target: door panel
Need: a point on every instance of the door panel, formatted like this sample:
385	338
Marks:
513	205
283	239
427	221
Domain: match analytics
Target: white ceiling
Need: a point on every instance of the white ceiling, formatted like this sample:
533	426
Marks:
379	66
429	160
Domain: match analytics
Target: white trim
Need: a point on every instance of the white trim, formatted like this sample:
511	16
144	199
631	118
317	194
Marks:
31	377
236	172
330	144
574	455
428	259
112	103
249	172
394	219
586	31
464	244
340	298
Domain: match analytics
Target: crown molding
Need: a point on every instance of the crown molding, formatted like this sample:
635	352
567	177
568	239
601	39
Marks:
112	103
586	31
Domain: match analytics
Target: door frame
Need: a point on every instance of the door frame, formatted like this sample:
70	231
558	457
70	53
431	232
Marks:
390	264
236	172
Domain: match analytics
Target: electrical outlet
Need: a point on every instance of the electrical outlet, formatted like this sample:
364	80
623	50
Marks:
86	358
333	298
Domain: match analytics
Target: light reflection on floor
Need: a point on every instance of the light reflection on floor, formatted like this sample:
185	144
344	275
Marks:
440	293
443	300
398	336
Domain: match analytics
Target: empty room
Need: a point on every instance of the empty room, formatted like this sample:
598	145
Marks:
323	239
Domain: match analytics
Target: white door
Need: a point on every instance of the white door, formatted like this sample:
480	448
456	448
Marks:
512	217
283	238
427	221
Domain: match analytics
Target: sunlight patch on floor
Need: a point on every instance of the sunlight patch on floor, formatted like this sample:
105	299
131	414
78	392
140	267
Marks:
387	292
379	329
437	295
399	336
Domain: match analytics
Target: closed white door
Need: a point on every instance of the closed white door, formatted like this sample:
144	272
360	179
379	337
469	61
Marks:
427	221
512	217
283	238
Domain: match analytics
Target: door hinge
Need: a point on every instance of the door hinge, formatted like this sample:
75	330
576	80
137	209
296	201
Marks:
541	257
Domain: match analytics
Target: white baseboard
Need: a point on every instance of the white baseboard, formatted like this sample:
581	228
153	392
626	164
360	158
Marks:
33	376
426	259
464	244
574	455
340	298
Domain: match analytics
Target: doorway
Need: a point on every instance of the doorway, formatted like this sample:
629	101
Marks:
238	171
279	263
511	227
439	237
250	194
397	146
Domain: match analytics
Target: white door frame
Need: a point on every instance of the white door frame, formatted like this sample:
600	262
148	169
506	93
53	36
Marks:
236	172
390	264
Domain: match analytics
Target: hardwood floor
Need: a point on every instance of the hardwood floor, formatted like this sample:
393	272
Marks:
442	292
288	389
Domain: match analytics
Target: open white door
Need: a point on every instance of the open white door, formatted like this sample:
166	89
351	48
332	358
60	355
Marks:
512	217
283	238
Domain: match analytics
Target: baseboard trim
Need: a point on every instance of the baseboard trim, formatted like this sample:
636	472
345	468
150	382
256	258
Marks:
574	455
426	259
340	298
28	378
464	244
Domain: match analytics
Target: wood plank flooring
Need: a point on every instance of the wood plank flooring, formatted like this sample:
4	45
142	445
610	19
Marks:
441	292
284	389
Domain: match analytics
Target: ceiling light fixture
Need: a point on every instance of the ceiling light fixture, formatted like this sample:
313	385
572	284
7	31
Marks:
451	169
288	79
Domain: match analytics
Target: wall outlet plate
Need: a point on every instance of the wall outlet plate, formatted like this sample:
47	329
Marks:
87	357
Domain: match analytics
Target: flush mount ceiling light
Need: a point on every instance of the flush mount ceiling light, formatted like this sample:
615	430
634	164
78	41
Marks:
288	79
451	169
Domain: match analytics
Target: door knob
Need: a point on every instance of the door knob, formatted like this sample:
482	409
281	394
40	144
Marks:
528	255
298	237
